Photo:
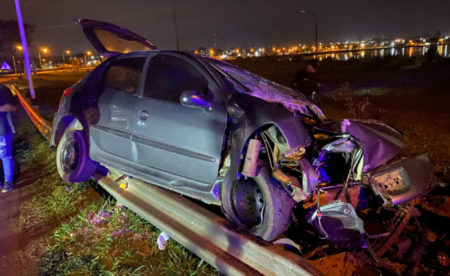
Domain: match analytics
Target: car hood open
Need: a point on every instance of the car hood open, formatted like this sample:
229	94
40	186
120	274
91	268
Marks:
110	40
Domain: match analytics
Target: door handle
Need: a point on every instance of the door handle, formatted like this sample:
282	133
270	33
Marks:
144	115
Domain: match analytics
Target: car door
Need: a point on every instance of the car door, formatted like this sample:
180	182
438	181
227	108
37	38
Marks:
110	137
174	139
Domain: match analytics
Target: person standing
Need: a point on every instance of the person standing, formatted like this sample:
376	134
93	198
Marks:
306	80
8	104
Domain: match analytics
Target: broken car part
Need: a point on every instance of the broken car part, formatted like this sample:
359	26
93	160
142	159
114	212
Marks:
338	223
404	180
251	158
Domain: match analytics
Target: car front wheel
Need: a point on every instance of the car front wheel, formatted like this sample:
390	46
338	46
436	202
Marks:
72	157
259	205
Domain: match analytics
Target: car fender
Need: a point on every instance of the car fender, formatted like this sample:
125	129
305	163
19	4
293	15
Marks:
257	114
64	121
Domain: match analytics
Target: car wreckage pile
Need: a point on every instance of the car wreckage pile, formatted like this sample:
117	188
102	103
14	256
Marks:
339	179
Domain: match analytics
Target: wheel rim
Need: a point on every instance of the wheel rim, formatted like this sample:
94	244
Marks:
70	156
248	202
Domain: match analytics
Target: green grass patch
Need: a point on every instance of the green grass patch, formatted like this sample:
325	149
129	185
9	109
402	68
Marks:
108	239
84	233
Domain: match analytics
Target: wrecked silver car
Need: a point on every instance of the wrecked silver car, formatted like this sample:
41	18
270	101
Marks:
212	131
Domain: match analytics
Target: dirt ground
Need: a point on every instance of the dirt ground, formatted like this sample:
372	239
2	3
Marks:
410	94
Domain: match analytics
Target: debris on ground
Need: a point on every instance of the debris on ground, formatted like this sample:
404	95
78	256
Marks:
162	240
438	204
98	218
339	264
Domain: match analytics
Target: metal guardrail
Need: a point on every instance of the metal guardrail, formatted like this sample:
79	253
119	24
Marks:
42	125
206	234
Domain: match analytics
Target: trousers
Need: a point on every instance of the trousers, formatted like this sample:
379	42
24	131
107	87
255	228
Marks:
7	156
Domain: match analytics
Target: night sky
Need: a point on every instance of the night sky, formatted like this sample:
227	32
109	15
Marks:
241	23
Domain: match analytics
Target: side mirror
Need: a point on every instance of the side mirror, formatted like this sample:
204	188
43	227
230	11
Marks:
195	99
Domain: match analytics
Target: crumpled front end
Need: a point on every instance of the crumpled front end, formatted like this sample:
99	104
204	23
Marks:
347	161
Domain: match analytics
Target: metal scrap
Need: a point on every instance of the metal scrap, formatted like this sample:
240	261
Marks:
397	228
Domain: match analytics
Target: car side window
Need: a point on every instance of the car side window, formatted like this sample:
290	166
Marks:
124	74
168	76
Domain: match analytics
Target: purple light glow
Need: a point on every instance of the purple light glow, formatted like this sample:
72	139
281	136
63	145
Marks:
26	56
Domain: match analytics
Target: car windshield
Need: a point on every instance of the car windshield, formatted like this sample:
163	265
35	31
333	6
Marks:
254	83
256	86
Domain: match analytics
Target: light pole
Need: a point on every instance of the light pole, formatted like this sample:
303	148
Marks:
315	20
175	26
20	49
26	56
44	50
88	53
66	52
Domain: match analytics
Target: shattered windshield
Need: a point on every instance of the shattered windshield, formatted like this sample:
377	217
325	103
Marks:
249	83
254	82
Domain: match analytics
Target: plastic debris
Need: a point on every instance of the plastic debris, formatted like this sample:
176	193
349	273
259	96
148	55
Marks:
123	185
338	222
162	239
67	189
289	245
98	218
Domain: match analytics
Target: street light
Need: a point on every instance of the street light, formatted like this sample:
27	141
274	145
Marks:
44	50
315	20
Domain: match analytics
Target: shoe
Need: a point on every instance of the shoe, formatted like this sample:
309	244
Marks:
7	187
1	185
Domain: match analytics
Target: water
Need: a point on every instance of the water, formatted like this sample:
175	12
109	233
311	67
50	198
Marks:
442	50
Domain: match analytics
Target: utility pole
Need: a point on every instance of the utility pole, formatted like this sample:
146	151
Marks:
14	62
315	20
40	59
175	26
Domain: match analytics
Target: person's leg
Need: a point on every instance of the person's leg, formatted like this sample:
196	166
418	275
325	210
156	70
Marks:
8	162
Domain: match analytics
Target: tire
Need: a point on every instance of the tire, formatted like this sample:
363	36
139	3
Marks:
72	157
247	202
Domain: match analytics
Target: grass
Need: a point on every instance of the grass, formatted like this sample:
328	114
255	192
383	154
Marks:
107	239
78	240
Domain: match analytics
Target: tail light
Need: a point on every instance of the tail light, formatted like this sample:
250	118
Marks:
66	93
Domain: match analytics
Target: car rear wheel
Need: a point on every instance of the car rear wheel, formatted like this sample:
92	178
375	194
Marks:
72	157
259	205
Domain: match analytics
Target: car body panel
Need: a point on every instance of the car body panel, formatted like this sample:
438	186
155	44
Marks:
109	39
379	141
178	139
404	180
112	133
256	86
